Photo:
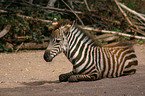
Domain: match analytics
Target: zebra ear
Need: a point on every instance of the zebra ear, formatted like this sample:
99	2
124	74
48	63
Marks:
55	23
67	26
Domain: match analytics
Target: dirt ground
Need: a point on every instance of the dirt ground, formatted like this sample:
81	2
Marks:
27	74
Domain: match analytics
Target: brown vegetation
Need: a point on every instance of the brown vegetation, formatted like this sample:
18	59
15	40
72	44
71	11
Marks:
30	21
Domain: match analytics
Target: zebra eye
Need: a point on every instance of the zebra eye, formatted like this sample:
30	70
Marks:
57	41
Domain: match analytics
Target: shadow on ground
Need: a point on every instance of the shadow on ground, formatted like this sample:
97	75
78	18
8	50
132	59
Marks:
36	83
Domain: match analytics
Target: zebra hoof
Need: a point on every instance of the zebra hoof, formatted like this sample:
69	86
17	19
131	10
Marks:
73	79
63	78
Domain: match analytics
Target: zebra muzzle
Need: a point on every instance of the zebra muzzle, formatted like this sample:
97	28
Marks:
47	57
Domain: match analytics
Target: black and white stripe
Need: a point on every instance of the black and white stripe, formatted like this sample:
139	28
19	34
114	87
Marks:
92	62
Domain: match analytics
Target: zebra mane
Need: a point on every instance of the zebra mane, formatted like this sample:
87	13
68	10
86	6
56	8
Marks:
89	35
121	43
63	22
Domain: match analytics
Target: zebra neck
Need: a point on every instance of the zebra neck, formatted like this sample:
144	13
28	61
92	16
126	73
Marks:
77	36
77	40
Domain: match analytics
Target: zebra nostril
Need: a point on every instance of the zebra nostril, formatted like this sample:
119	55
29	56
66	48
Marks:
47	56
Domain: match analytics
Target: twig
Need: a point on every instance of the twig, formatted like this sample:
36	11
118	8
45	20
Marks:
71	4
52	8
3	11
74	13
111	38
139	20
5	31
138	30
131	11
63	10
87	5
103	36
19	46
111	32
27	17
125	15
141	27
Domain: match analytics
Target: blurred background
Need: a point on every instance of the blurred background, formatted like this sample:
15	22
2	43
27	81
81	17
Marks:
26	24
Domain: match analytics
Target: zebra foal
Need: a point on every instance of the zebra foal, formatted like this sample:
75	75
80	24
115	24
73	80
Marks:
90	60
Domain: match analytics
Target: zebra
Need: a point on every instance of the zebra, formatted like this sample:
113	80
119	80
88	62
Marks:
91	61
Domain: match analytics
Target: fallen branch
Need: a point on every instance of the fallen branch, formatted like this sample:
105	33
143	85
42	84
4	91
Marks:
138	30
74	13
63	10
3	11
142	23
133	26
19	47
27	17
87	5
112	32
131	11
125	15
5	31
141	27
103	36
113	38
52	8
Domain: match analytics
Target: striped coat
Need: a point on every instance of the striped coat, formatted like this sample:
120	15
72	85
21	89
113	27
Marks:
90	60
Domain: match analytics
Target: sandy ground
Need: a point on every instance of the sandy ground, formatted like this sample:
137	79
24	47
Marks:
41	78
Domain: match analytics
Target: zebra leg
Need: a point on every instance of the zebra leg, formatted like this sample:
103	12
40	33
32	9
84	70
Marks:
129	72
64	77
76	78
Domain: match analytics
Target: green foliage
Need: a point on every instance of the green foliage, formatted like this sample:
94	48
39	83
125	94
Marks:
23	26
104	15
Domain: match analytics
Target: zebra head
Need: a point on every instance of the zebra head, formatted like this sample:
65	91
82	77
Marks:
58	41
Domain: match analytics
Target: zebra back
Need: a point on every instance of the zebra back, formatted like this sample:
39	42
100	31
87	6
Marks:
89	58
